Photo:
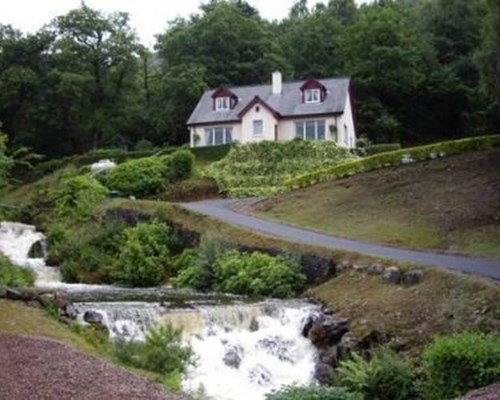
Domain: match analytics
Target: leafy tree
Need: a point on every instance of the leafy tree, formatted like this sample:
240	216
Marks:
5	161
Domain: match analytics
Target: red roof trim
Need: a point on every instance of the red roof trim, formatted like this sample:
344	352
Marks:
258	100
312	83
223	92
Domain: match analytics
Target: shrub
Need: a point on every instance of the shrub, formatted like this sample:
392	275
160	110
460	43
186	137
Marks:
211	154
261	168
381	148
257	274
143	145
140	177
393	158
455	364
196	267
313	393
144	255
78	197
181	165
384	377
14	276
162	352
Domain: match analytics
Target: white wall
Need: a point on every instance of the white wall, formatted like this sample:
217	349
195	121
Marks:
347	120
268	120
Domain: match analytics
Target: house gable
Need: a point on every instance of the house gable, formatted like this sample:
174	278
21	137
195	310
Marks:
224	93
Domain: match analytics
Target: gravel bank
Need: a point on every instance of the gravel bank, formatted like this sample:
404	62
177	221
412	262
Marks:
35	368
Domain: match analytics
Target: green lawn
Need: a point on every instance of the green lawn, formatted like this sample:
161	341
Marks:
450	204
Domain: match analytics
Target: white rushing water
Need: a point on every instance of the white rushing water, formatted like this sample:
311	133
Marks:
16	241
243	351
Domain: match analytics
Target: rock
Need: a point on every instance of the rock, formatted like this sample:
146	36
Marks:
376	269
260	375
323	373
335	329
343	266
61	300
374	338
93	317
70	311
13	294
232	357
277	346
325	330
317	334
359	267
488	393
392	275
317	269
38	250
254	325
329	356
3	292
413	277
46	299
348	344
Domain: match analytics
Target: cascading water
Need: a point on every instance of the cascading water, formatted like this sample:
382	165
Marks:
243	350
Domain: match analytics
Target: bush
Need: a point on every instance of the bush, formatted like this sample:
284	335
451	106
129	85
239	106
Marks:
78	197
140	177
257	274
211	154
144	145
144	255
162	352
455	364
384	377
190	190
261	168
393	158
181	165
381	148
196	267
313	393
13	276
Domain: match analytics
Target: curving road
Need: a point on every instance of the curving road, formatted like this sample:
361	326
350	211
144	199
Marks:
222	209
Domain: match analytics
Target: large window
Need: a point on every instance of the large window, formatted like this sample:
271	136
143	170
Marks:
222	103
217	136
258	127
310	130
312	96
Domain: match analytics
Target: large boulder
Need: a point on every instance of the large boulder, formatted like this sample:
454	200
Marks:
325	330
413	277
376	269
323	373
232	356
93	317
392	275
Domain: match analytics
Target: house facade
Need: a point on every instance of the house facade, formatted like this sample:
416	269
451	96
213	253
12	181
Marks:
314	109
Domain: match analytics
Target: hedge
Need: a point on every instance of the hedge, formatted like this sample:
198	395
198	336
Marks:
381	148
393	158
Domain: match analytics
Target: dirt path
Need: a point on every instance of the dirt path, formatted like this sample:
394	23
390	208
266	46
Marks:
223	209
36	368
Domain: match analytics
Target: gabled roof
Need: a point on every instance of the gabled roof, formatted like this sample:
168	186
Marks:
258	100
287	104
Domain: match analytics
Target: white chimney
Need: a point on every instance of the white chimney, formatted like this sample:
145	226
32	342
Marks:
277	82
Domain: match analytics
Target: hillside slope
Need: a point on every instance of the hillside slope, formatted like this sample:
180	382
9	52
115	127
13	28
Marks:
450	204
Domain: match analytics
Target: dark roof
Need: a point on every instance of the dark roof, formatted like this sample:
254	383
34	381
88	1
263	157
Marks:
288	104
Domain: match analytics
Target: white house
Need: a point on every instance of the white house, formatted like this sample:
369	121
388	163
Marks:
314	109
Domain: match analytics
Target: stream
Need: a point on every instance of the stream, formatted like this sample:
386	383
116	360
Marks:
243	349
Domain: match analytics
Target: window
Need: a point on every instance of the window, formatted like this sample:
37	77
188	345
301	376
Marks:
222	103
312	96
218	136
310	130
258	127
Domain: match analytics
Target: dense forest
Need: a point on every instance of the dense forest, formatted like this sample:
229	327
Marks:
422	69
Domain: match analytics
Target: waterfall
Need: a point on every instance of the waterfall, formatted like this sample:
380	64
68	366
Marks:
243	351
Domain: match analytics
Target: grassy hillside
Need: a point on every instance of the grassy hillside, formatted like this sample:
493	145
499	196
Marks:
446	204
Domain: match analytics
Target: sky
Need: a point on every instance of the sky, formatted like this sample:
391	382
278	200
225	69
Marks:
148	17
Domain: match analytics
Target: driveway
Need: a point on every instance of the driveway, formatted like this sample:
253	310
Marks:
222	209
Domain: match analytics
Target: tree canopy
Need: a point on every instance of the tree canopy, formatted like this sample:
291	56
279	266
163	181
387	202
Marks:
422	69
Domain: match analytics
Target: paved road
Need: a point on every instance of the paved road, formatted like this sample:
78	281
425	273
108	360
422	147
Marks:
221	209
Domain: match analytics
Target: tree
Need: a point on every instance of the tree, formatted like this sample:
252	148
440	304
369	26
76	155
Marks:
5	161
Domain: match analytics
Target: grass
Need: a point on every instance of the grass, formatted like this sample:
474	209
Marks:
444	302
445	204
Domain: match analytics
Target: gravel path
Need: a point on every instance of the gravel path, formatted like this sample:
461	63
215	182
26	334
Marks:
223	209
36	369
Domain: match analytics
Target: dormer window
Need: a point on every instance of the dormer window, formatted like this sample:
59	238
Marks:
222	103
312	96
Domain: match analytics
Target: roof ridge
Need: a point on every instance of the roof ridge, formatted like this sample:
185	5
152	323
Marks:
284	83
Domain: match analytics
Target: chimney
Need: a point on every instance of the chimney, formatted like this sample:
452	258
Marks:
277	82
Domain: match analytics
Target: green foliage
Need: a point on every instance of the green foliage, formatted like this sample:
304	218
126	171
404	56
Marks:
140	177
257	274
181	165
77	197
313	393
261	168
144	145
381	148
196	267
14	276
162	352
6	162
211	154
145	255
384	377
394	158
455	364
